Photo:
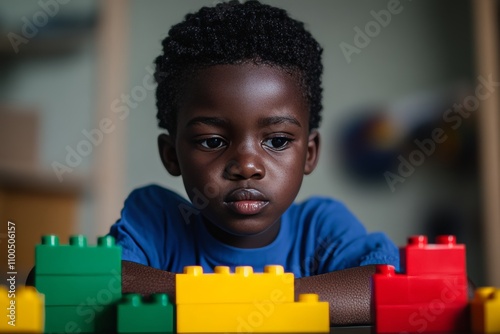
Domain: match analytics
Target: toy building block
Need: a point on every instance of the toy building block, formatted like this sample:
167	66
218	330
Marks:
242	286
80	319
136	315
443	257
417	304
431	293
77	258
485	310
391	288
81	283
308	315
23	310
74	290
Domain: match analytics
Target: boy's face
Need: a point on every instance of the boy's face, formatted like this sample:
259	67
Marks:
242	147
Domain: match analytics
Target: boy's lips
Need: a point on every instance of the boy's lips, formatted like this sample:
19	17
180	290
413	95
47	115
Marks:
245	201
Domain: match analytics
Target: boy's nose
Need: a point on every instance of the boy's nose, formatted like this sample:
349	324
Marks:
244	165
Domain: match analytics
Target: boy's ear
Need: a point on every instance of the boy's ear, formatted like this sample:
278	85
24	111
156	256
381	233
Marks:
312	152
168	154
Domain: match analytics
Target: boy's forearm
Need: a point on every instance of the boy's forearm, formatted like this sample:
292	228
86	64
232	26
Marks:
347	291
137	278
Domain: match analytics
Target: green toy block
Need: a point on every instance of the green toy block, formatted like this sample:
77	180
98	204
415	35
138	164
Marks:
77	258
80	319
73	290
136	315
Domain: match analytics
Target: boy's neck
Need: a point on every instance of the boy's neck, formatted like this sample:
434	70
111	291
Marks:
253	241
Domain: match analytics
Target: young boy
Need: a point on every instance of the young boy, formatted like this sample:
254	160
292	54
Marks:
239	94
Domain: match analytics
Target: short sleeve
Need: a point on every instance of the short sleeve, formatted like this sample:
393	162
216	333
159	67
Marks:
380	250
141	229
125	235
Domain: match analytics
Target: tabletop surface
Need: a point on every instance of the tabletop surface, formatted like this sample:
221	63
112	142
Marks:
351	330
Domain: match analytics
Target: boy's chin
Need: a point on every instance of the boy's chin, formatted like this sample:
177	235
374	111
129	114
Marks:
244	233
243	228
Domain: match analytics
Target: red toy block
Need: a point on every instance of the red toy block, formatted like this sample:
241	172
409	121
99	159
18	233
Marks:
417	304
443	257
391	288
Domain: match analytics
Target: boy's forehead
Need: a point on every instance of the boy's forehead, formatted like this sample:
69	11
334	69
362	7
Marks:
246	81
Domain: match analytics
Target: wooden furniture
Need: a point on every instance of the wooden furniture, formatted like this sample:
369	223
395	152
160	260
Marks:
30	197
486	21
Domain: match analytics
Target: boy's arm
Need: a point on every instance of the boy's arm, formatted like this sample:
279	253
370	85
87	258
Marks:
347	291
137	278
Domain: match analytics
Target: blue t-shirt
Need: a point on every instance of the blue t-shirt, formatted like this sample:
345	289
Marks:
160	229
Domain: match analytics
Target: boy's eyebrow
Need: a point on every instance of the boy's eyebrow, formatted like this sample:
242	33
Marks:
263	122
215	121
274	120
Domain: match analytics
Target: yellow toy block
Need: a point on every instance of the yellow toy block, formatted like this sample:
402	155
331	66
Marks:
485	310
242	286
308	315
23	310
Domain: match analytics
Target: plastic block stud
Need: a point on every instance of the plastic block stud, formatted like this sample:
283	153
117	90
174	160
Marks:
485	310
443	257
138	316
23	310
242	286
77	258
308	315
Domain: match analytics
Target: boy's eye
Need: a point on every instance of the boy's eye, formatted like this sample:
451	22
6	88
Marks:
277	143
212	142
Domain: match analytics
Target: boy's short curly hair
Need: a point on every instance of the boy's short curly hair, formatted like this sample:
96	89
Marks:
234	33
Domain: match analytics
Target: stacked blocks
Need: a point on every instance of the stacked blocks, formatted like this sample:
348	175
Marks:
23	310
245	301
485	310
431	293
136	315
81	283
